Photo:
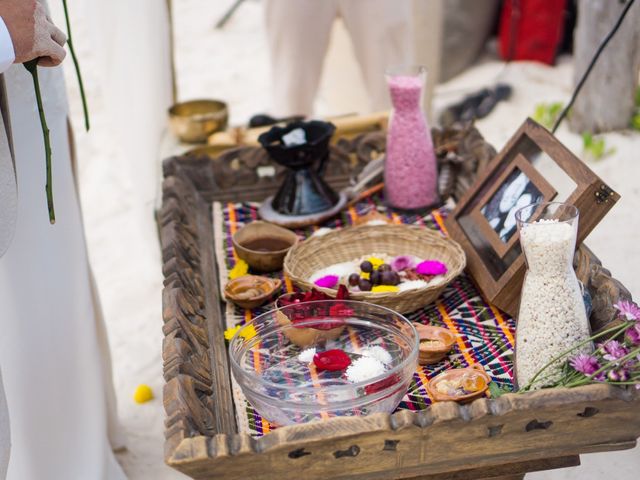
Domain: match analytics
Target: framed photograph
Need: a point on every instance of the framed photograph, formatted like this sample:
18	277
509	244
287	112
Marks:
533	167
517	186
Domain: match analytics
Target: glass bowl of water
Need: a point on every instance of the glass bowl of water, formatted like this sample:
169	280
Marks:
288	382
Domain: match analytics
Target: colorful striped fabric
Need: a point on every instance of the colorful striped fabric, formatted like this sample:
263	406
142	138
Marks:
485	334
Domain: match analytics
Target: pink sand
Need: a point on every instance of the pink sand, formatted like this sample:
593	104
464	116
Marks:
411	173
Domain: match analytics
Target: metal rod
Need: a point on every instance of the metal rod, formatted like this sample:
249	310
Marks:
591	65
227	16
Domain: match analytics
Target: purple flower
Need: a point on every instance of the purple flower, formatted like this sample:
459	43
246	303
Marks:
402	262
633	334
628	310
614	350
619	375
431	267
328	281
587	364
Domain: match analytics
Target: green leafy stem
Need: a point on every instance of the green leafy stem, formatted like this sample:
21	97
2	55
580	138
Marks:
32	67
76	65
610	332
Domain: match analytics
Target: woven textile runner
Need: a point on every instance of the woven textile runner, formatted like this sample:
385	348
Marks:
485	335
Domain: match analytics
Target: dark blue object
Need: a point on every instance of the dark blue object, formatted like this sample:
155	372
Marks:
303	191
586	297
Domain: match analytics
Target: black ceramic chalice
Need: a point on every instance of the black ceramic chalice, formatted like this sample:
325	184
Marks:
303	148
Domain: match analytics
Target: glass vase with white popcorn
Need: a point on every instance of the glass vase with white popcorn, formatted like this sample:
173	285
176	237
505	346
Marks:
552	315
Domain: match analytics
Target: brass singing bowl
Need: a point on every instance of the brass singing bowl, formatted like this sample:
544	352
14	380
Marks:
194	121
210	151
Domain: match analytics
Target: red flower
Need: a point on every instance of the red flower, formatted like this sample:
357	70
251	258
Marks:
303	312
343	293
321	324
340	310
331	360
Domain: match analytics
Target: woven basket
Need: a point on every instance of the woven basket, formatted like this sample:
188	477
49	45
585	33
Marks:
346	245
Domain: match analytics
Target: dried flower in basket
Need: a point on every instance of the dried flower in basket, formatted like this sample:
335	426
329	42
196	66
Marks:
328	281
431	267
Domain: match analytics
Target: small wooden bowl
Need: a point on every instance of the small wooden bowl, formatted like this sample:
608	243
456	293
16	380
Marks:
430	355
456	374
263	260
194	121
251	291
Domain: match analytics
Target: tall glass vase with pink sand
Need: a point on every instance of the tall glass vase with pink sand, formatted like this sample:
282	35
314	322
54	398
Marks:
411	172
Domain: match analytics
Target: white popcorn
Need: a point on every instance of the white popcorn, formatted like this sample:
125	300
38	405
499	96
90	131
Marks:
364	368
306	356
377	352
412	285
552	316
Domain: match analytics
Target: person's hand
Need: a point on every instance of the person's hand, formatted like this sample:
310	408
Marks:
32	32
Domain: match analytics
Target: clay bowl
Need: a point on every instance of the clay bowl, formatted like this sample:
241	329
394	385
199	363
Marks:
429	354
194	121
474	371
263	245
251	291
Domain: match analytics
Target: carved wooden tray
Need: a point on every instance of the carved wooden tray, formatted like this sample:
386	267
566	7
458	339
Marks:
501	438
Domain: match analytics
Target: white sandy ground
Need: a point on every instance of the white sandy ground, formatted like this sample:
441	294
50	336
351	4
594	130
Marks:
232	65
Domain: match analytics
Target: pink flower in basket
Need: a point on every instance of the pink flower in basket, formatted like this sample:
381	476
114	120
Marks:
328	281
431	267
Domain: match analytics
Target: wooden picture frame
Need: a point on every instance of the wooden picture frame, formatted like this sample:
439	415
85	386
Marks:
496	266
544	188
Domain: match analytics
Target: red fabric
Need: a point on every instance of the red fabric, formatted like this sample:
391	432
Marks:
531	29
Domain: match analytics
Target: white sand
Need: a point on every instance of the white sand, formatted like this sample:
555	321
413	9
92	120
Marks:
232	65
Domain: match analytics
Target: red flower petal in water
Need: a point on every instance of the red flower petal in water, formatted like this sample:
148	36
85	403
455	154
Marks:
343	293
317	295
319	325
331	360
340	310
381	384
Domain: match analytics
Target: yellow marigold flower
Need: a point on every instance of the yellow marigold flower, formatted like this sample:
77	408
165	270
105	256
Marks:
384	288
375	261
143	394
240	269
230	332
365	275
249	332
